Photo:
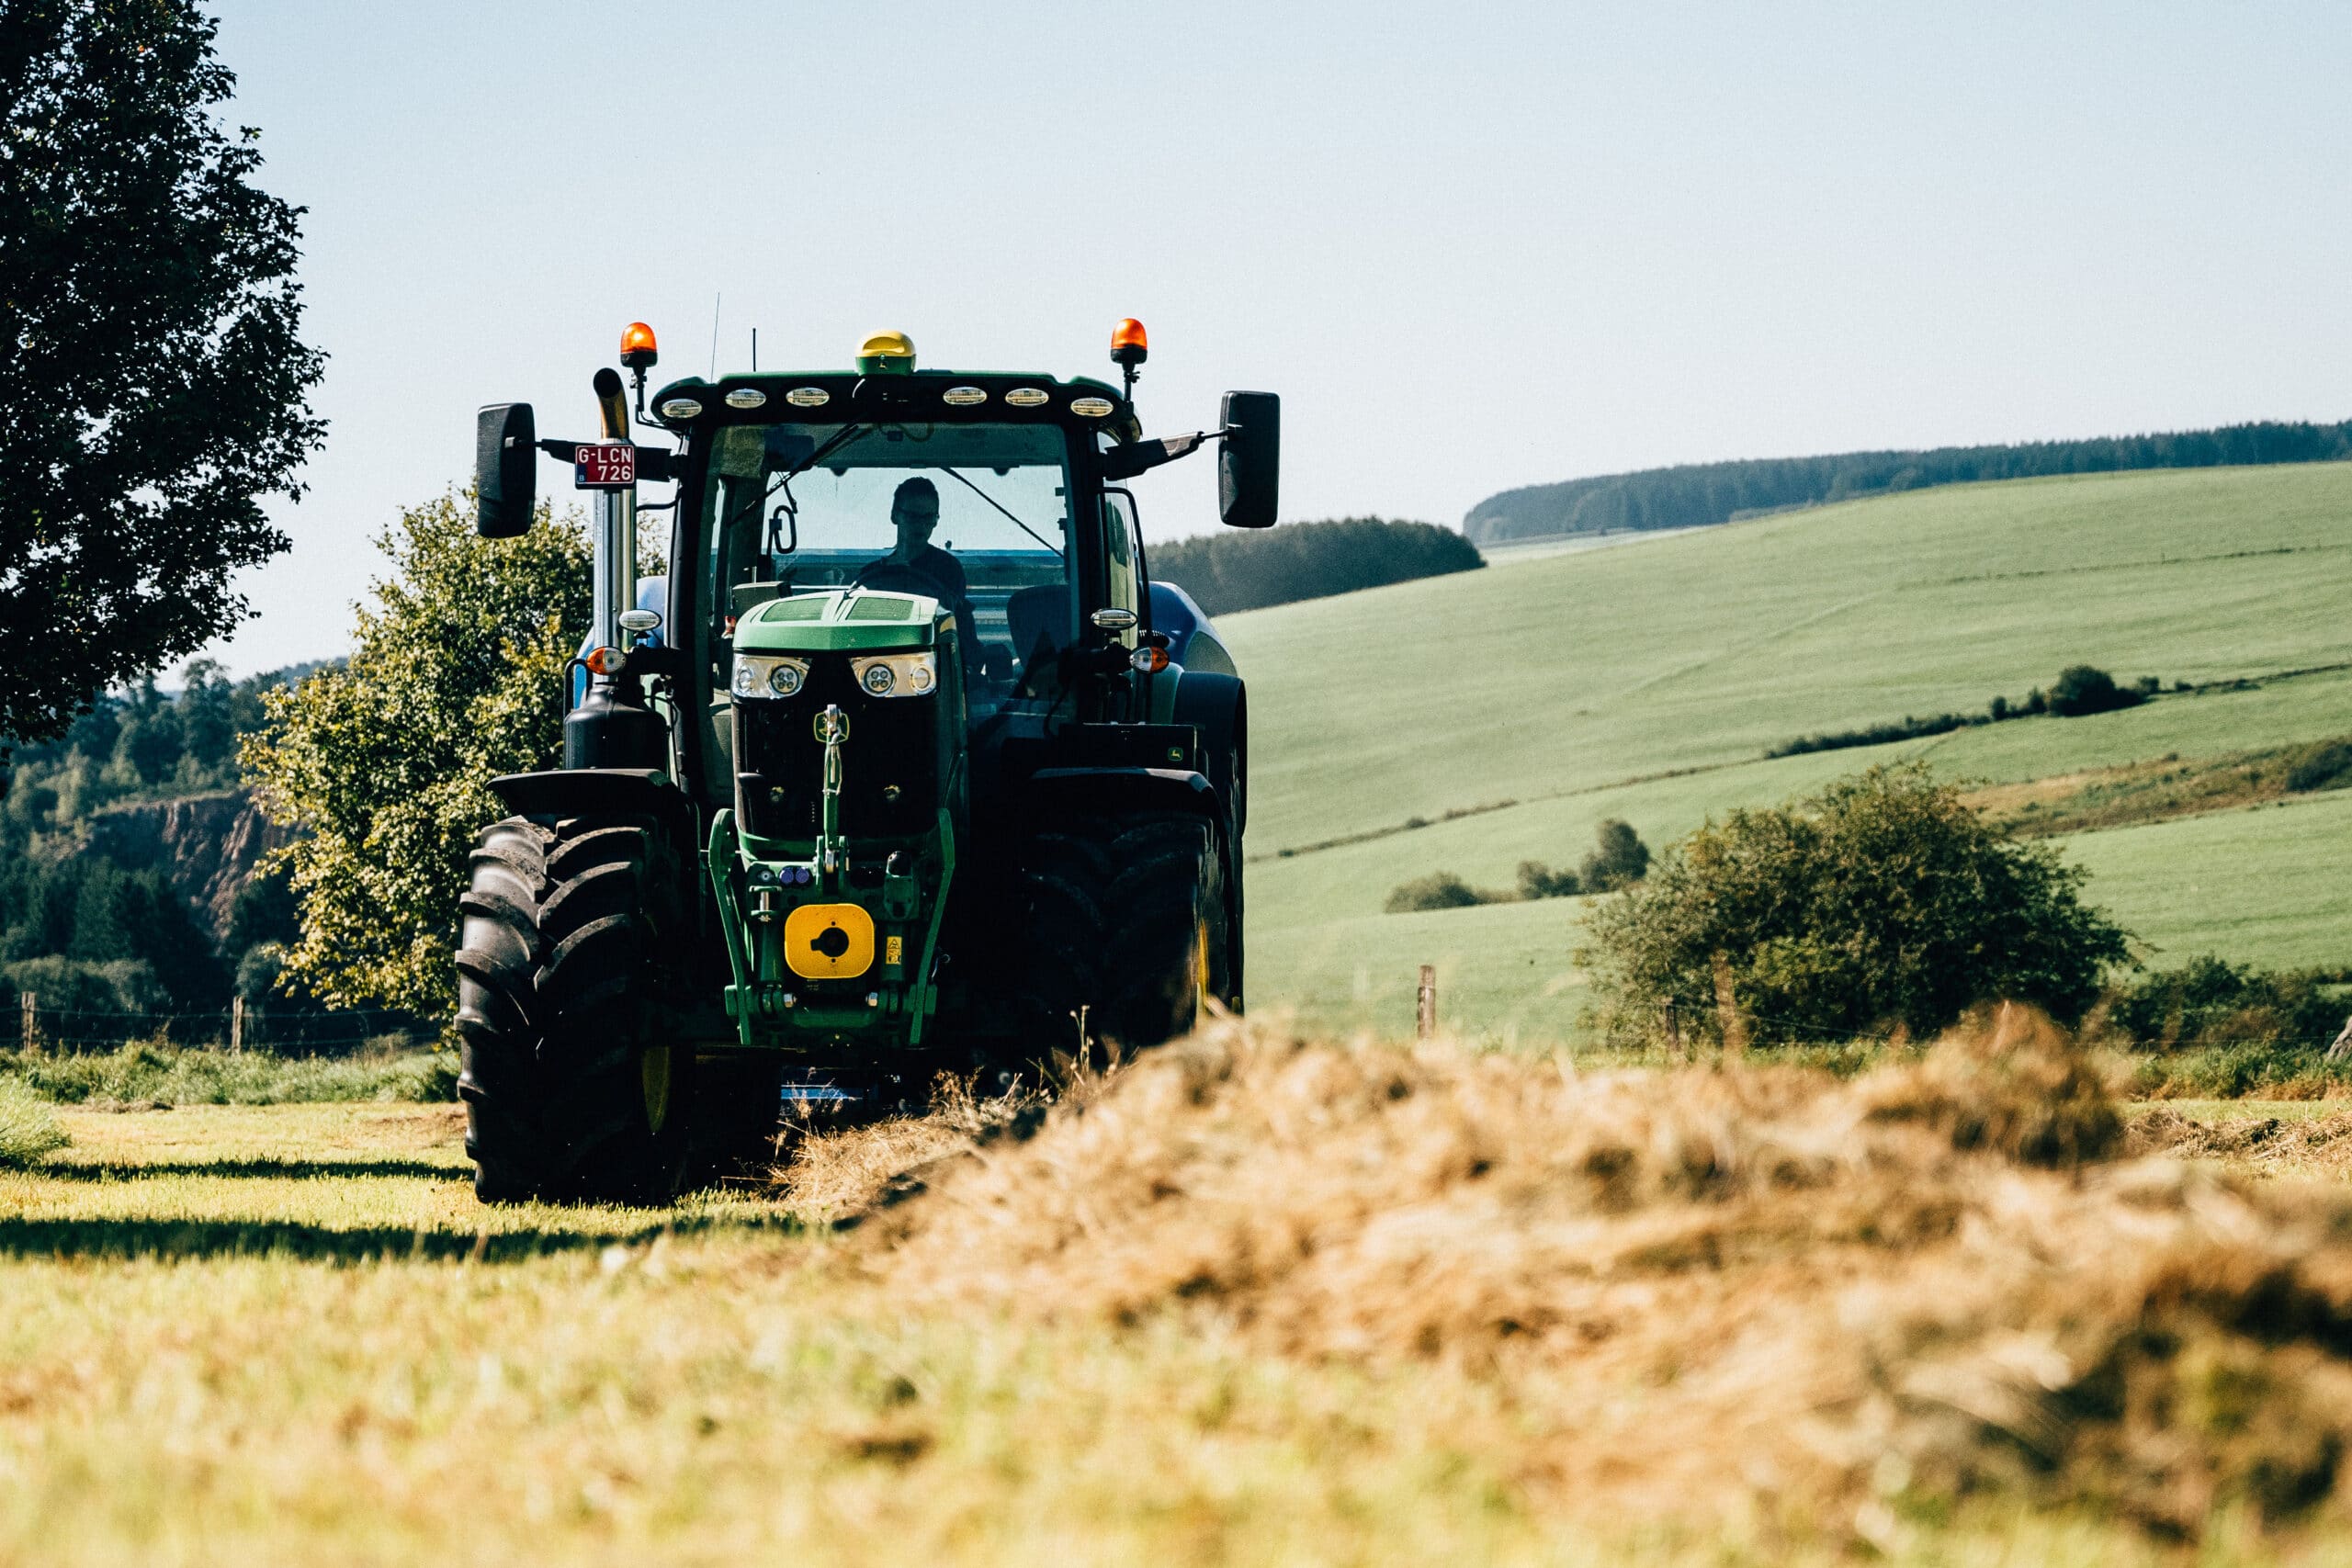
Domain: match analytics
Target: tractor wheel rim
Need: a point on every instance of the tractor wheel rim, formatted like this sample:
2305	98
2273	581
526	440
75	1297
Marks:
654	1076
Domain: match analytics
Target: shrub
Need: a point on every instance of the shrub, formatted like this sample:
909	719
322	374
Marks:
1882	900
155	1070
2325	766
1537	880
2083	689
28	1129
2211	1002
1618	860
1437	890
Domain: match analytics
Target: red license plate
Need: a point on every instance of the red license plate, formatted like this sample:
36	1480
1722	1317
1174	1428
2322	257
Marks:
603	465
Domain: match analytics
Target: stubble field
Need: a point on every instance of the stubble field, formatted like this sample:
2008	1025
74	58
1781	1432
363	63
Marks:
1253	1300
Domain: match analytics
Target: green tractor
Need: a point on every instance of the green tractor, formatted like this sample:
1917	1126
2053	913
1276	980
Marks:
907	765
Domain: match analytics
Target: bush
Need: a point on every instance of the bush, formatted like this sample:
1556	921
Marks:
2325	766
2210	1002
1618	860
28	1129
2083	689
1437	890
154	1070
1881	902
1537	880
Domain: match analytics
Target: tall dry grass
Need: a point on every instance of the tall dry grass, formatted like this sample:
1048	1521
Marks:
1716	1290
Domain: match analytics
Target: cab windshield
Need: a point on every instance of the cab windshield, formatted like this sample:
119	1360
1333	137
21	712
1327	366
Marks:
974	515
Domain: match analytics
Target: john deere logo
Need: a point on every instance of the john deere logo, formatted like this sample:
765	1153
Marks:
829	942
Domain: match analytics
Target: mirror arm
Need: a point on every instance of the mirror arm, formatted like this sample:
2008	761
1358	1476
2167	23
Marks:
1136	457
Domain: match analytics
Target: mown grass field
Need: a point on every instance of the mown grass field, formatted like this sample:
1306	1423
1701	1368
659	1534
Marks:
1569	684
286	1334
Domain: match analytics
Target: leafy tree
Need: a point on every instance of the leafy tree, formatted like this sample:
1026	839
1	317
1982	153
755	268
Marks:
2085	689
1537	880
1882	900
1249	568
2211	1001
156	388
384	763
1700	493
1618	860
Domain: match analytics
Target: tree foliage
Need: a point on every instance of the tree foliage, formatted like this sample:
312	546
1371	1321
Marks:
1698	493
2083	689
1250	569
2209	1001
156	388
1881	902
384	764
1618	858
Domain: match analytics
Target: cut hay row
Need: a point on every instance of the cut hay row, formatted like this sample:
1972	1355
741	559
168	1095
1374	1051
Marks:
1726	1290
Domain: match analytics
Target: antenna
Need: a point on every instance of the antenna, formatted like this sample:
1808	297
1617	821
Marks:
755	350
714	334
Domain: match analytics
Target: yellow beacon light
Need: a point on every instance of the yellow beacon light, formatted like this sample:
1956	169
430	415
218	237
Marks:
886	354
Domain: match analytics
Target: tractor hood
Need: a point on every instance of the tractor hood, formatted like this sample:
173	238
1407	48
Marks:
840	621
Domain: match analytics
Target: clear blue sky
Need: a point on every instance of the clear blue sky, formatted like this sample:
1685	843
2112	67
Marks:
1473	246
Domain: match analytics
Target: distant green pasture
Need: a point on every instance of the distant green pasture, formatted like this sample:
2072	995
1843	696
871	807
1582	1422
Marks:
1709	646
1555	683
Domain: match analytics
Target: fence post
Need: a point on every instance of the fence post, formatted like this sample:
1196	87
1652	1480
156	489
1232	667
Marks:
1425	1019
31	1004
236	1024
1727	1010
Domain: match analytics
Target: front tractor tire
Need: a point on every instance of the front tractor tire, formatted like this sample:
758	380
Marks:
572	1093
1128	937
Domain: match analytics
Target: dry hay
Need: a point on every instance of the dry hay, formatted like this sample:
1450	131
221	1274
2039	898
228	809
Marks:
1694	1291
2265	1145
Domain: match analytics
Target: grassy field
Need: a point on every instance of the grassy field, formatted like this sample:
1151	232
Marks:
286	1334
1645	682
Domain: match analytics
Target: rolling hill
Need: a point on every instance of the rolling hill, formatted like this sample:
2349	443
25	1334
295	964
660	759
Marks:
1646	682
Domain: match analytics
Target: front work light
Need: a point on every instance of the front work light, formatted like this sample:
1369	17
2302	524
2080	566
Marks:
897	674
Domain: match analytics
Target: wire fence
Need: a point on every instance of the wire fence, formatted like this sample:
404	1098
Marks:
280	1031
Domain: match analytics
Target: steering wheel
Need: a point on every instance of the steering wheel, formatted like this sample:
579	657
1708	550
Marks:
897	577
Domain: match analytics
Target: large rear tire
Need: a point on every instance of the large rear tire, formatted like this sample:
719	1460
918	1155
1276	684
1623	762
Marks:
572	1093
1126	931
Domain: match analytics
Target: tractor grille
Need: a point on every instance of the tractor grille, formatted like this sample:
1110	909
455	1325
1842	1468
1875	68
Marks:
893	746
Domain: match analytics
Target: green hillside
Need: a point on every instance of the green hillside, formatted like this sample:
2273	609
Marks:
1569	684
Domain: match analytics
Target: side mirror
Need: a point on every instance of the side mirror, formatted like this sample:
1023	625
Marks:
507	470
1248	463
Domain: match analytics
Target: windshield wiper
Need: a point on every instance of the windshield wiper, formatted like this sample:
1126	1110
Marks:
848	433
1008	516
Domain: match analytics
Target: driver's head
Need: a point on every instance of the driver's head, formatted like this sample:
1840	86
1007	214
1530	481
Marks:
915	510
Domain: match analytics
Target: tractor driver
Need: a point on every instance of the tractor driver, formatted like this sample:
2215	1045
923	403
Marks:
918	566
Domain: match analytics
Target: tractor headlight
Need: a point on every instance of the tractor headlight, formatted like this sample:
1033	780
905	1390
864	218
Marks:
767	676
898	674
